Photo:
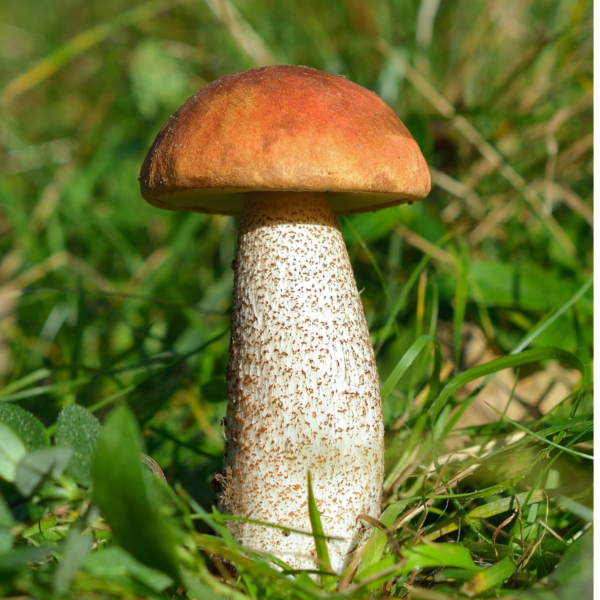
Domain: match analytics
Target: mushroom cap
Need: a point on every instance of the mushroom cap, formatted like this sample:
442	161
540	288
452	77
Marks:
283	128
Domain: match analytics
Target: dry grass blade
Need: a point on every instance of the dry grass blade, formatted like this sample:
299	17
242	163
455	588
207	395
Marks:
527	556
55	261
574	152
552	532
154	261
350	572
520	519
552	147
458	189
51	195
569	197
154	467
499	529
414	239
79	44
388	534
490	225
484	147
242	32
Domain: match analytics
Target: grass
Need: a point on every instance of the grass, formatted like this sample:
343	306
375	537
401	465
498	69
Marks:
479	300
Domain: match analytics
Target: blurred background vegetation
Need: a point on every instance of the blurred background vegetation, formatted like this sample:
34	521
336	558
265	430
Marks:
105	299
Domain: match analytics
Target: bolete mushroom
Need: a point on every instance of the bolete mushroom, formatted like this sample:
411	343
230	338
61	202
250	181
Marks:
287	148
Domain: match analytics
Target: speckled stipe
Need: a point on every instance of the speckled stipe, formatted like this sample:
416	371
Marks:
302	383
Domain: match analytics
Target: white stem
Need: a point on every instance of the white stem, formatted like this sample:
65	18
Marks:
302	384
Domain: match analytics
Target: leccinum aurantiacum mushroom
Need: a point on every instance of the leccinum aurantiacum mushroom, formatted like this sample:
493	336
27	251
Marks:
287	148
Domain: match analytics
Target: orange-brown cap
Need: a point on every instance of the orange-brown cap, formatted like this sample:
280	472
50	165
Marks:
283	128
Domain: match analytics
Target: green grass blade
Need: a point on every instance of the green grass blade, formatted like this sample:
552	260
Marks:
541	438
497	507
319	535
460	303
416	432
406	291
122	492
490	578
371	258
530	337
407	360
549	319
15	386
493	490
110	399
579	510
506	362
55	388
223	518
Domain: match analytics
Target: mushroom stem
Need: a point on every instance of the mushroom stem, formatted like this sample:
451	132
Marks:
302	384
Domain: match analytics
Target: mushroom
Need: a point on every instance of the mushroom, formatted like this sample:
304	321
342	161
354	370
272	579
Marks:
287	148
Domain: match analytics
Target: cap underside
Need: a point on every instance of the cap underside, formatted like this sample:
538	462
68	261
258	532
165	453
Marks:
229	201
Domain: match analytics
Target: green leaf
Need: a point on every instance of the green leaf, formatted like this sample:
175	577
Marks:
114	563
490	578
75	550
78	429
489	552
418	557
6	523
121	490
25	425
198	589
215	390
575	571
6	518
438	555
38	465
20	556
382	566
318	534
6	541
12	450
523	285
